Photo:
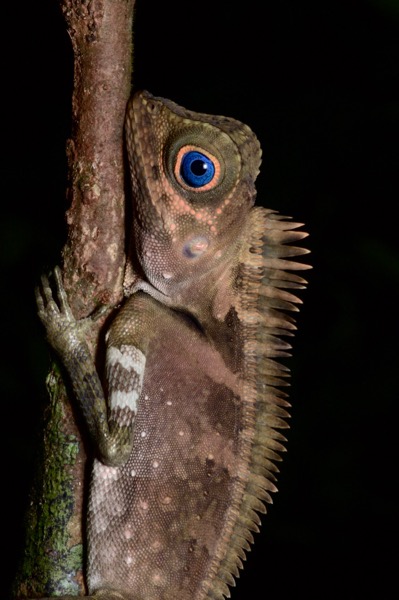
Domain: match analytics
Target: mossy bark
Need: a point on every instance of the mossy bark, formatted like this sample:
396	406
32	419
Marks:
53	556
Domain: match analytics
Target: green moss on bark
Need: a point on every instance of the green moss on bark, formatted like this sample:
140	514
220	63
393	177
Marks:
52	562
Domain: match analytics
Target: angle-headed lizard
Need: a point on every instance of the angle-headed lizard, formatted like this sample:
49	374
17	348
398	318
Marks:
187	439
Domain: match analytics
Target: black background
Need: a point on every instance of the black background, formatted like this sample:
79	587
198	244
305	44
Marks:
317	82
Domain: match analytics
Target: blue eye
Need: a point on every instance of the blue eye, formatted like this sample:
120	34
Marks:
196	169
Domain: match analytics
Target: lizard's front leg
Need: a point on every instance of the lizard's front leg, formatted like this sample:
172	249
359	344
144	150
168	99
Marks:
110	423
111	435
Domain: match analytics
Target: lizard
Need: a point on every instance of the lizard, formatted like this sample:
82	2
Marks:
186	427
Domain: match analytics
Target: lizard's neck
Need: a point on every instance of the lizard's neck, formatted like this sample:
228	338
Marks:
182	281
188	296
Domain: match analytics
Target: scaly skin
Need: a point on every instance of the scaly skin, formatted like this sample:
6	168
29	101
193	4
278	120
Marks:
187	438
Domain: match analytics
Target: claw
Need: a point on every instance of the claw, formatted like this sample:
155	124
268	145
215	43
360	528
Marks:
44	297
47	294
61	293
39	299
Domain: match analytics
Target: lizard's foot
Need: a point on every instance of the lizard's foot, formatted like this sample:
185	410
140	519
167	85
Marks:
62	329
56	316
45	301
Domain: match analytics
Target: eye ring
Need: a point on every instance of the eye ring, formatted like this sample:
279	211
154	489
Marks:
196	169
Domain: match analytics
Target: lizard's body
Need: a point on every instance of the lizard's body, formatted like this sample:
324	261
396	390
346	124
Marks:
181	476
186	449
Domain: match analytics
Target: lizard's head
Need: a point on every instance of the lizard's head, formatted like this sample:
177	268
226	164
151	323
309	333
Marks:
193	186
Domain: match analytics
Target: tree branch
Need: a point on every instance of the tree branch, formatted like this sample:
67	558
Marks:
94	260
101	35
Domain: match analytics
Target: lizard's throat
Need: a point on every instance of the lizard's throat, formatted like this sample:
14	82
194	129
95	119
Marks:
181	267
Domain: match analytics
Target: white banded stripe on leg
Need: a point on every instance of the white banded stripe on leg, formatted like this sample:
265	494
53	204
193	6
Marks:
125	371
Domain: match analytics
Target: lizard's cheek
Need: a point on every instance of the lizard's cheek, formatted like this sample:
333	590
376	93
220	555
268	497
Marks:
195	247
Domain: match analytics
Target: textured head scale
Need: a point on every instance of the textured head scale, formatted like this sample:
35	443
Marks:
198	172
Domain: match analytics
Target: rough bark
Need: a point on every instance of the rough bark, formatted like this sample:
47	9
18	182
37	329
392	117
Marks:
100	32
93	266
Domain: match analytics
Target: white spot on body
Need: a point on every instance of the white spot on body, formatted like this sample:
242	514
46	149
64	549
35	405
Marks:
156	545
128	533
158	578
143	504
